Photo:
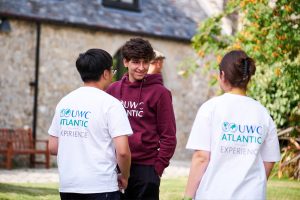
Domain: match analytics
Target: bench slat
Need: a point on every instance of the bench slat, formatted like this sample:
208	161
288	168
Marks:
20	141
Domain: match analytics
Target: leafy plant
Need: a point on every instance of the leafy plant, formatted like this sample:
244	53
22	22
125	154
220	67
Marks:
269	33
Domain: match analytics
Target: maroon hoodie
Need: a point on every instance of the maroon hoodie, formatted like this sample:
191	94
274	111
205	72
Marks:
150	111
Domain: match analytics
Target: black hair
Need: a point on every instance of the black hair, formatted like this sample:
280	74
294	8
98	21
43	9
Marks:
137	48
238	68
92	64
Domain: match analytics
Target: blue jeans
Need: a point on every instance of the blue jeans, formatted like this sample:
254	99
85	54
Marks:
94	196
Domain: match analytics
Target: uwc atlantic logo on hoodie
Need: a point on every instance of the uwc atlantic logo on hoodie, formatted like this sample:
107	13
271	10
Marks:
133	109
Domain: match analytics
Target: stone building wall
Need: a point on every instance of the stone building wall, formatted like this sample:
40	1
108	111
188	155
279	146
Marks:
17	56
60	46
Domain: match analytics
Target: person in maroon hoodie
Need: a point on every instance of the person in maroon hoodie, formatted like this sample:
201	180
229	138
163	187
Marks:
150	111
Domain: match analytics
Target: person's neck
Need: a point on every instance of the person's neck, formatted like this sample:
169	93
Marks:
131	80
237	91
97	85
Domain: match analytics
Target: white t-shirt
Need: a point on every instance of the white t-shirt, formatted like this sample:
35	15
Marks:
85	122
239	134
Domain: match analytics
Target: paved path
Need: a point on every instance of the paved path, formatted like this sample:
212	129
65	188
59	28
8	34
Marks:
176	169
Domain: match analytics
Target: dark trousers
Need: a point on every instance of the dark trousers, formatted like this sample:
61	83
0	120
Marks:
94	196
143	183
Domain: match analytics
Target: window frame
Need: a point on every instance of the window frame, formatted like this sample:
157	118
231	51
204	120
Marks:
135	6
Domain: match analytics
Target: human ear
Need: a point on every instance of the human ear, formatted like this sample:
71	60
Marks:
222	76
125	62
106	74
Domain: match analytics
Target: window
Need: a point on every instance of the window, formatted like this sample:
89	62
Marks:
132	5
4	25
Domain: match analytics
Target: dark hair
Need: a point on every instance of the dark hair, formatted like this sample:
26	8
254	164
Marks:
137	48
238	68
92	64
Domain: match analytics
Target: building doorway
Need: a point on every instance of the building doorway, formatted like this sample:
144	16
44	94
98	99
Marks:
119	66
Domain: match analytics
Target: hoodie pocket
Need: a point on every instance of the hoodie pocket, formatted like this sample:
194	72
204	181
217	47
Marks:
135	142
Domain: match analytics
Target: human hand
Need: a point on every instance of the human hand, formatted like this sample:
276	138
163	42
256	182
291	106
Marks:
122	183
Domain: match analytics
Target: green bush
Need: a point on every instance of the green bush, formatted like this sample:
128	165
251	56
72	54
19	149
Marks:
270	34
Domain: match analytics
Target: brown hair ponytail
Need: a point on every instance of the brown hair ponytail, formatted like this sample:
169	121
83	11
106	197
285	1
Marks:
238	68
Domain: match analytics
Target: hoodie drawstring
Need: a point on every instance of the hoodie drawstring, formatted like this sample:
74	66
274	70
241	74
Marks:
121	88
140	94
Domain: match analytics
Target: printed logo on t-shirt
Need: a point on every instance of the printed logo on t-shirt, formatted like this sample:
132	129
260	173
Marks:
133	109
74	123
236	135
74	118
229	127
242	133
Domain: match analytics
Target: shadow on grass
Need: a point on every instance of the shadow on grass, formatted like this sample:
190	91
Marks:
28	190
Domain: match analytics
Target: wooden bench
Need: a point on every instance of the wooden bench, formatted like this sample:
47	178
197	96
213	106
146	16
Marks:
20	141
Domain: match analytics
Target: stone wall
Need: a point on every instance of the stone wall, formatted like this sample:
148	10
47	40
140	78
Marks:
60	46
17	56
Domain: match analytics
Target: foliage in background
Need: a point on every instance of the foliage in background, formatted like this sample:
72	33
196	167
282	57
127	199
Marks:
119	66
289	165
269	32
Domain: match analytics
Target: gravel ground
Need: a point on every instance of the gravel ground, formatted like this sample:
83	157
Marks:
176	169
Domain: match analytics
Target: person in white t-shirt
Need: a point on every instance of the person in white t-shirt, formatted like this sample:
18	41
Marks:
234	139
89	134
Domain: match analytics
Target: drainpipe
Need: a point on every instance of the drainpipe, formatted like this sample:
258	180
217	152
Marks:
35	84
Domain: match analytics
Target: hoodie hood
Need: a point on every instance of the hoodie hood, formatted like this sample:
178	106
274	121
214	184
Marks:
149	79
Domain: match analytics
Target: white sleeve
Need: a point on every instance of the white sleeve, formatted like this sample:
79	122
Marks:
200	135
118	123
270	151
55	127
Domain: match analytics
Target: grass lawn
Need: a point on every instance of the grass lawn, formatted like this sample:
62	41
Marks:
171	189
283	189
29	191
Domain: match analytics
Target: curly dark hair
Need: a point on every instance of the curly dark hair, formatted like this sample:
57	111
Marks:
138	48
